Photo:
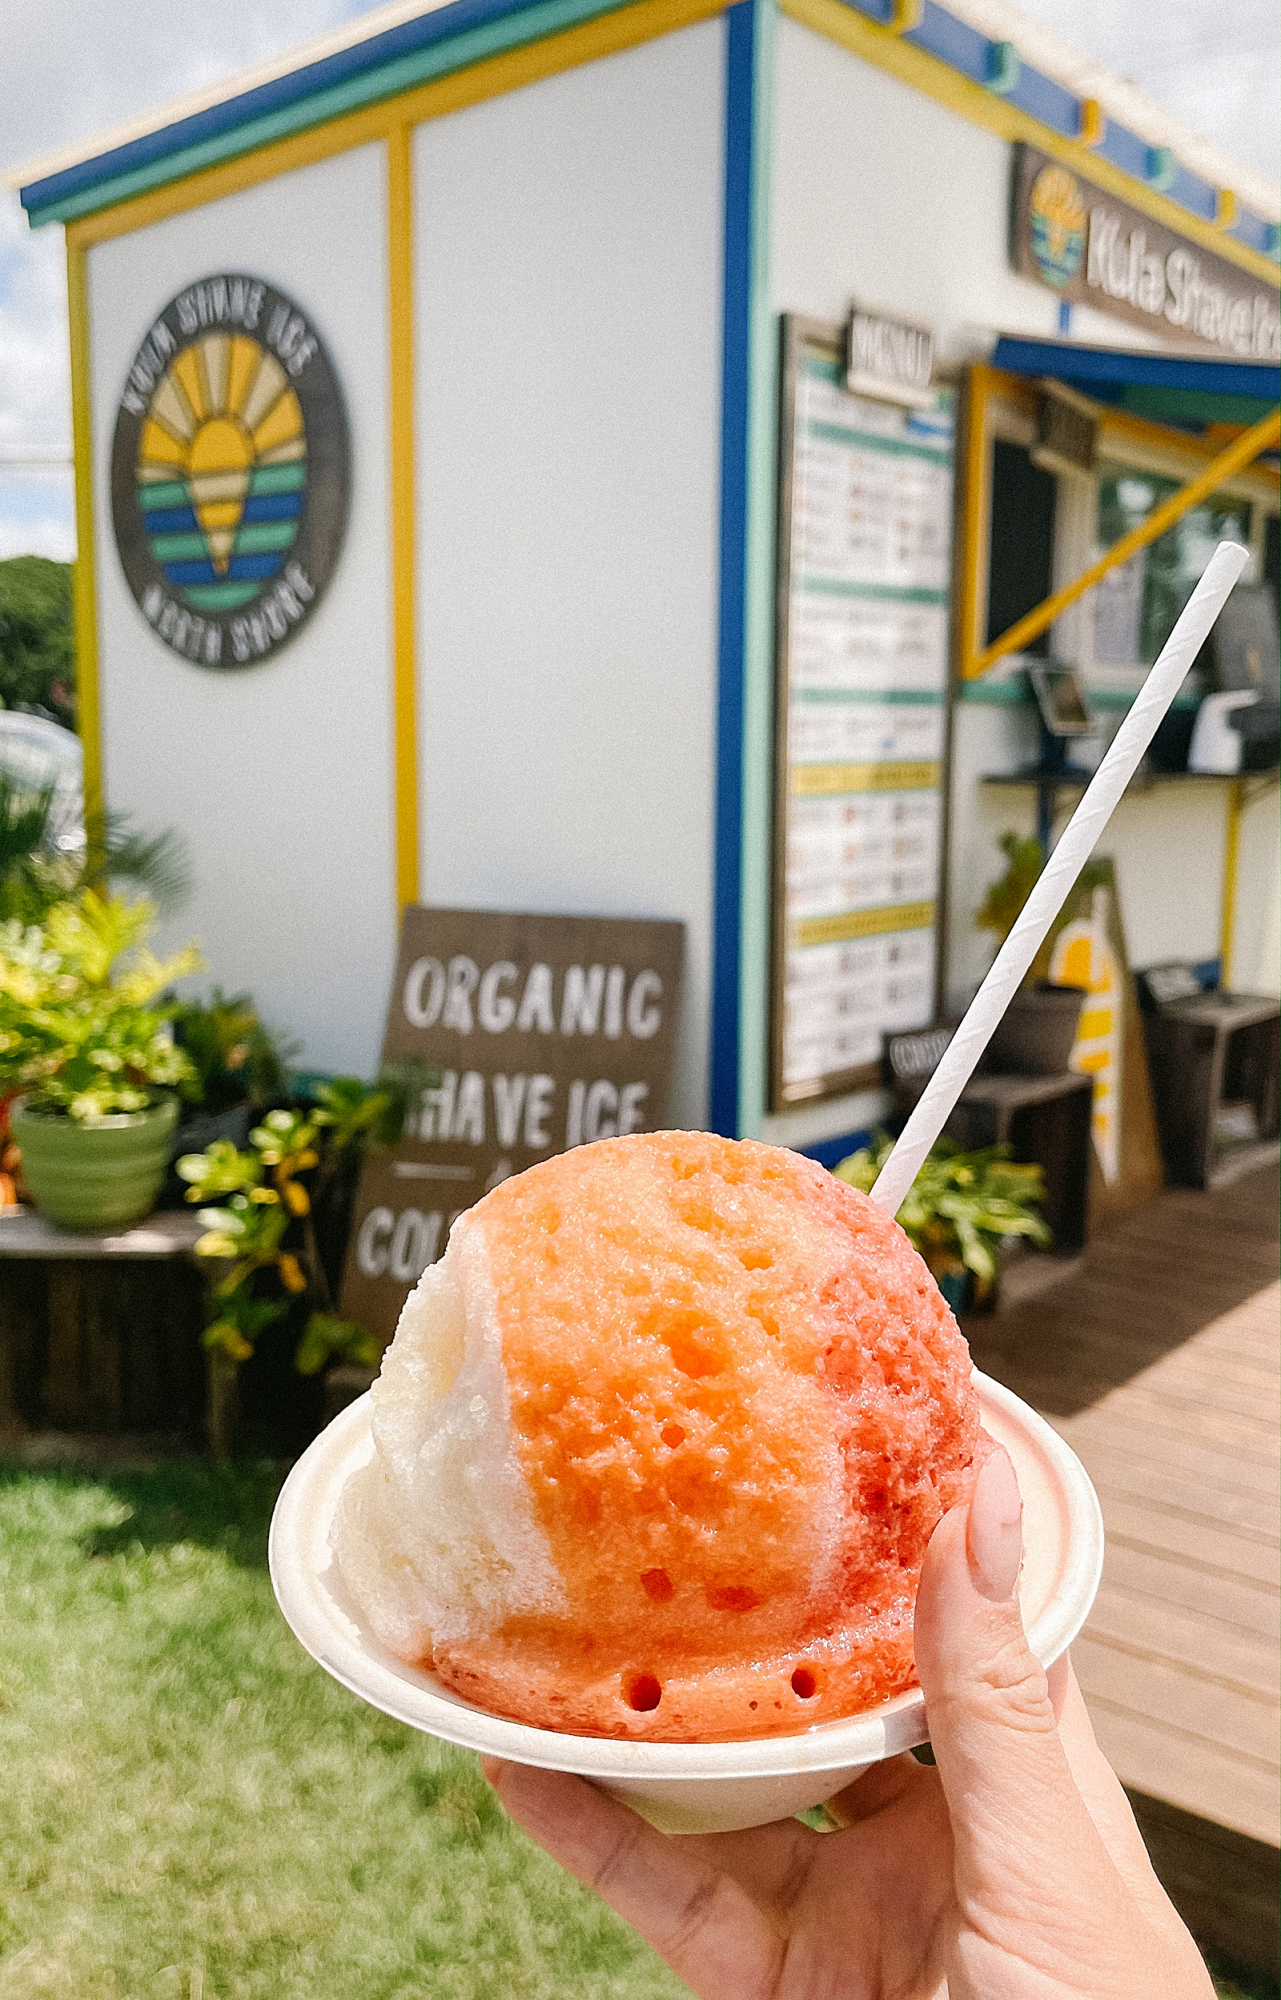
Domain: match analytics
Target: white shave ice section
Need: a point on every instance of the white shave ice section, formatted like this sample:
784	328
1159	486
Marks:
436	1537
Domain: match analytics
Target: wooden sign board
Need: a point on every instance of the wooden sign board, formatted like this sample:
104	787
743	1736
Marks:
547	1032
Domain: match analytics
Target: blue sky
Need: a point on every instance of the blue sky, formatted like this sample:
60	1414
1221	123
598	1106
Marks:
75	67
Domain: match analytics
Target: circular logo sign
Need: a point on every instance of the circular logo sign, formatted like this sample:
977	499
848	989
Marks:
229	472
1056	215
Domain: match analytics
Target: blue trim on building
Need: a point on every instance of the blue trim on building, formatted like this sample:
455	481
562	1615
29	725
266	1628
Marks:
830	1152
1152	371
1042	98
953	41
971	54
740	80
407	39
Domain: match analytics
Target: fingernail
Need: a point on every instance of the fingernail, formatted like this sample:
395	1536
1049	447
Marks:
994	1539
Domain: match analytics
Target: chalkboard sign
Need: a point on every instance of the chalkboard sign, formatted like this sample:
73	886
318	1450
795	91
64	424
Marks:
865	559
546	1031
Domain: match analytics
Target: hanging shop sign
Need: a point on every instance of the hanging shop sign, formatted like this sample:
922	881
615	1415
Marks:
865	563
1067	430
230	472
545	1033
888	359
1088	246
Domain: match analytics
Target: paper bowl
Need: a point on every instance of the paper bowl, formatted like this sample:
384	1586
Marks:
680	1787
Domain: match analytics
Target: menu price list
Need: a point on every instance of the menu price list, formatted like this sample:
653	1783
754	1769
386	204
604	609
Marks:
840	999
869	563
850	854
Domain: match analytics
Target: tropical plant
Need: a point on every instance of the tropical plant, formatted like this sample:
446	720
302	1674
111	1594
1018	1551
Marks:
960	1205
46	859
83	1029
1003	905
1025	858
260	1211
234	1059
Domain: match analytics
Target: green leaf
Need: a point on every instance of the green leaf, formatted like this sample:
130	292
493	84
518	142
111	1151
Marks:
326	1336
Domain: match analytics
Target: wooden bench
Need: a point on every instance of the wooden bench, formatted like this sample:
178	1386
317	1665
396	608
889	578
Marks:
100	1330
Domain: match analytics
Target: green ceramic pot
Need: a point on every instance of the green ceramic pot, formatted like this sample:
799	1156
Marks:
99	1175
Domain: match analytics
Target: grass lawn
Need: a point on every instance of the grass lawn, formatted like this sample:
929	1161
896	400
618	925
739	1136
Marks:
191	1810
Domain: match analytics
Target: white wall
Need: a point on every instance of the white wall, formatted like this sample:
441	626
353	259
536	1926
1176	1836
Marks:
884	195
279	775
568	312
1256	943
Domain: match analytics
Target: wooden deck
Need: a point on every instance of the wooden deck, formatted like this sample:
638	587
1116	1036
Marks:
1157	1358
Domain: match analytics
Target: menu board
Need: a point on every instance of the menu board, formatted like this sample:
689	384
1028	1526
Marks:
865	560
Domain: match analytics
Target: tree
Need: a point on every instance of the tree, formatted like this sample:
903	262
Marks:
37	647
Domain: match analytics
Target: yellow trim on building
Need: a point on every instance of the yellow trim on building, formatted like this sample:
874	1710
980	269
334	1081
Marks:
1228	902
975	524
84	592
885	48
607	35
400	280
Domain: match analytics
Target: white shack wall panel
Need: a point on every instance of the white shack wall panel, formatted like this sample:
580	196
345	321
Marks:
279	775
884	195
568	317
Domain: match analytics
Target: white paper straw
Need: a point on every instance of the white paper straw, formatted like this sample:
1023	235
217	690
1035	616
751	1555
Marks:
1055	880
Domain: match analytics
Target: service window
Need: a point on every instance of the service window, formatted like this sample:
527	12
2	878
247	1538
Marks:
1136	604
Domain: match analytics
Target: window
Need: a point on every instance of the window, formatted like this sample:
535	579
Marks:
1136	605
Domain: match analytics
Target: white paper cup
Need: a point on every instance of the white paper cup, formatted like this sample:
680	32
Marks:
680	1787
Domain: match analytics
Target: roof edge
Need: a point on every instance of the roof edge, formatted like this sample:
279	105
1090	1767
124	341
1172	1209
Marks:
1048	79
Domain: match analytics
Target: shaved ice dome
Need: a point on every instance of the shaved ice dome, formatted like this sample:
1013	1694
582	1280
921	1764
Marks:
659	1445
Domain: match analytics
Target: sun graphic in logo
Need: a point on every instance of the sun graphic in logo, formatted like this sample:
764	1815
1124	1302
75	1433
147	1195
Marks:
1056	219
222	470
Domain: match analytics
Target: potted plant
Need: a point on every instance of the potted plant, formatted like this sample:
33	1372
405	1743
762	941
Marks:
84	1040
273	1243
1037	1032
238	1070
959	1210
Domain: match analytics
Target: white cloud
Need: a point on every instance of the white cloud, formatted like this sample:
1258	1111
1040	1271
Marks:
72	68
1215	68
75	67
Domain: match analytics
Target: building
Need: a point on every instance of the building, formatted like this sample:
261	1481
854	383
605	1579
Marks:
481	608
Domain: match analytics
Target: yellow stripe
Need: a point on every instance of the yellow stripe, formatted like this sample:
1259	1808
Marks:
1228	911
811	781
975	516
400	248
605	36
935	78
83	585
1088	1061
854	924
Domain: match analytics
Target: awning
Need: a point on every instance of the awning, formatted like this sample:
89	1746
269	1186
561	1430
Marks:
1186	390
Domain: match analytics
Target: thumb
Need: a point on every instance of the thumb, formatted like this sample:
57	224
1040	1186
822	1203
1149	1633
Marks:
1005	1775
